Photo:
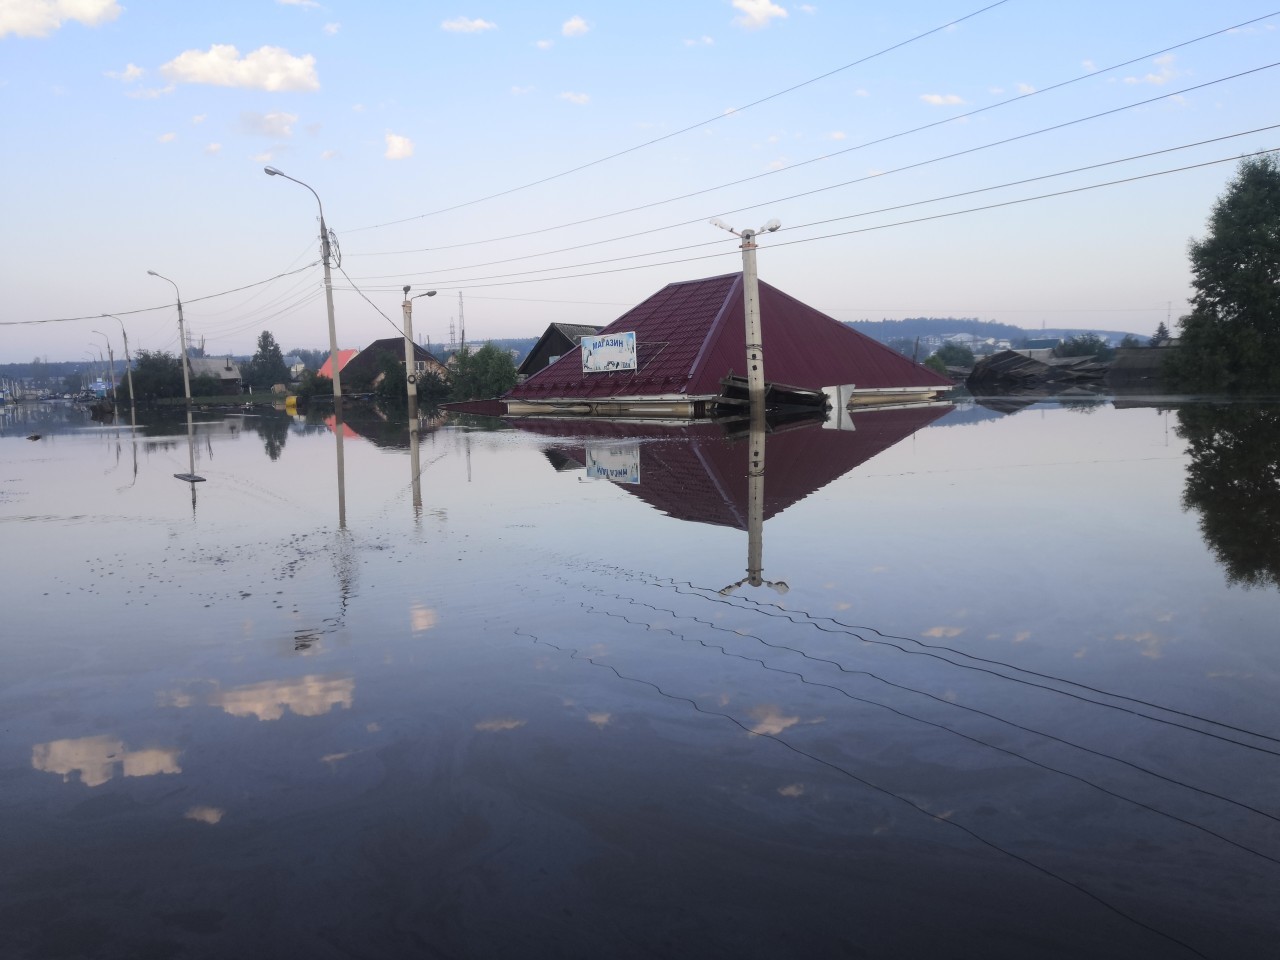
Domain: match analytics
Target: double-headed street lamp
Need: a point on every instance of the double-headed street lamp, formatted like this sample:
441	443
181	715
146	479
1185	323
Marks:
410	355
325	252
182	337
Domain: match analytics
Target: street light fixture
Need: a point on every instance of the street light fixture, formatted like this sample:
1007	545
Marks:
325	253
182	337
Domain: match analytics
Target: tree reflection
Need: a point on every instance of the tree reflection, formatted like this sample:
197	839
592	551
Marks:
274	430
1233	480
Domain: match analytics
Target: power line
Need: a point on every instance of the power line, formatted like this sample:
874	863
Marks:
952	196
837	153
165	306
883	226
683	130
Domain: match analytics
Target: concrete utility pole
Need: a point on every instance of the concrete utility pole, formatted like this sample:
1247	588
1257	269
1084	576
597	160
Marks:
751	302
325	255
182	336
111	357
462	322
410	355
128	368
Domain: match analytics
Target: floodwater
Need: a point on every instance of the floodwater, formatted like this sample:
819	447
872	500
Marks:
960	681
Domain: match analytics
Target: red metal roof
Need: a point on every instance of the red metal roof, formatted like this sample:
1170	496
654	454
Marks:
689	335
344	357
695	472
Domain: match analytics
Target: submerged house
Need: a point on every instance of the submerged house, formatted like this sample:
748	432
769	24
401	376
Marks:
690	340
223	369
365	369
557	340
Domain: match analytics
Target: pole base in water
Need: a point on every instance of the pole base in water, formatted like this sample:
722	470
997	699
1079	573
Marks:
189	477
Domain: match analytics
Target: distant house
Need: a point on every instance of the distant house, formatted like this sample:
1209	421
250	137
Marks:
344	358
690	339
295	365
223	369
366	366
557	340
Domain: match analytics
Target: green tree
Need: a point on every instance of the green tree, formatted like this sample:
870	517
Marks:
489	372
1231	338
936	364
313	385
955	355
1087	345
1130	342
1161	335
156	375
267	367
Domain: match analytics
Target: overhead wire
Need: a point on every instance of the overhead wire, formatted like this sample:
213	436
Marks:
480	281
163	306
768	173
952	196
683	130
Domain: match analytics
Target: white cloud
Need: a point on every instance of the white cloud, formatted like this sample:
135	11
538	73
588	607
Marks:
264	157
358	107
332	28
299	3
198	118
836	135
463	25
1089	65
544	44
167	137
574	27
1025	88
808	8
267	68
269	124
151	93
398	147
39	18
1166	73
213	148
861	93
778	164
757	13
941	99
700	42
328	154
521	91
996	90
581	99
129	74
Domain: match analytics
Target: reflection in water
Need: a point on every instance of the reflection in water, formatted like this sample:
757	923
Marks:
209	815
273	428
309	696
96	759
1233	481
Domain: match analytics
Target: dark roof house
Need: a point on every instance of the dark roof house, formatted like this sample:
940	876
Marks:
365	368
690	337
557	340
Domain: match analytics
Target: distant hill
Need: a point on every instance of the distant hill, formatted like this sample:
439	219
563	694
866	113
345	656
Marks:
521	345
887	330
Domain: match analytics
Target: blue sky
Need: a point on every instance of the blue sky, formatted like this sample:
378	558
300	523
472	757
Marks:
136	133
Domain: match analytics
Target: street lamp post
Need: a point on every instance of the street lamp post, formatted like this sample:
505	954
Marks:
111	357
128	365
751	298
328	282
182	337
410	355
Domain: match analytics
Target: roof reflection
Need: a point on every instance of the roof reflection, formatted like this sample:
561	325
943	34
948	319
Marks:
698	471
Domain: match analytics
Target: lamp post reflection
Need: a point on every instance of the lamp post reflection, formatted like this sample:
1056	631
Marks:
415	463
755	509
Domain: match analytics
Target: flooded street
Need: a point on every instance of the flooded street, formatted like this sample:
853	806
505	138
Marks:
952	681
